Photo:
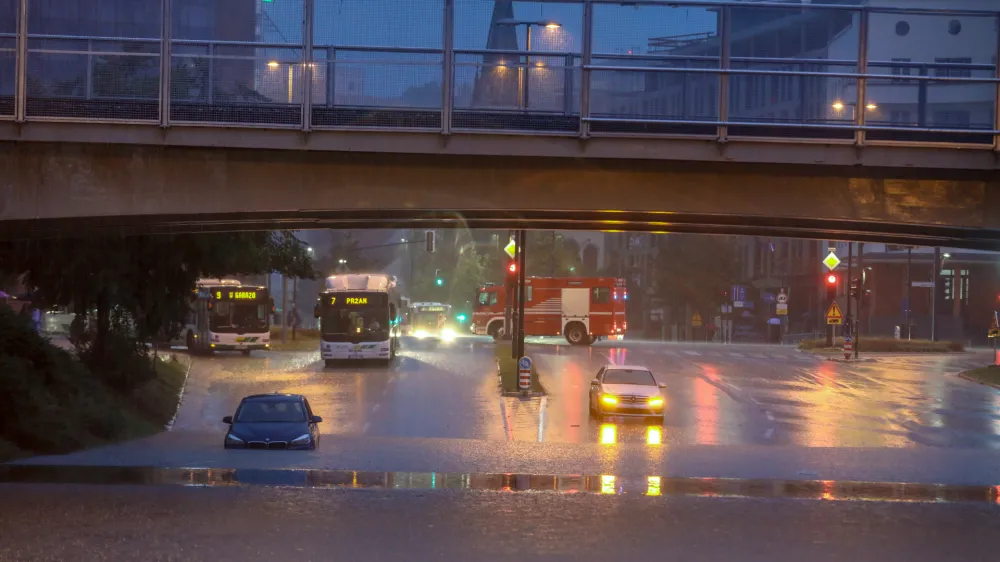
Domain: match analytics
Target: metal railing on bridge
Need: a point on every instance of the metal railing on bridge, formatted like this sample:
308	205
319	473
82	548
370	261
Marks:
705	69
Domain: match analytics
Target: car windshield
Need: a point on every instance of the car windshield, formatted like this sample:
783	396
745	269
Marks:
629	376
267	411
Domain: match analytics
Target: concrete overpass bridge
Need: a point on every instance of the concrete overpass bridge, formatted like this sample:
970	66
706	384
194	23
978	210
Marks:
772	119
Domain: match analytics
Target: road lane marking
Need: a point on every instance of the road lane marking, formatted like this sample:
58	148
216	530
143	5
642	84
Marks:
541	418
734	354
503	420
692	353
769	433
367	425
376	407
770	416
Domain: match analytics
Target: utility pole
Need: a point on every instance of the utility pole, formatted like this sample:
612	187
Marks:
284	308
295	303
934	288
861	299
909	285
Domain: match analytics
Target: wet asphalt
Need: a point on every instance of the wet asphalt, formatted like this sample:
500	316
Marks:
764	453
739	411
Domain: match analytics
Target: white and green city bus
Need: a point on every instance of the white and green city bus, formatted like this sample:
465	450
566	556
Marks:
228	316
358	317
430	320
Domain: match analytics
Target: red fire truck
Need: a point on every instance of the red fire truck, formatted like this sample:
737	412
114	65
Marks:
583	309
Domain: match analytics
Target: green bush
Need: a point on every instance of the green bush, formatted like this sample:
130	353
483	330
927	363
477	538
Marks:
50	402
888	345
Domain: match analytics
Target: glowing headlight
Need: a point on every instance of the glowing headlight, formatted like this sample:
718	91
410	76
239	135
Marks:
448	334
609	399
655	402
302	439
233	440
420	334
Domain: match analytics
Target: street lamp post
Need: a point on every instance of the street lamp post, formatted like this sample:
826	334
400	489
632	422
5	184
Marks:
523	72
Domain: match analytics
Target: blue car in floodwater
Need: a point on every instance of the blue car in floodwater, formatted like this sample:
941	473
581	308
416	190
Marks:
273	421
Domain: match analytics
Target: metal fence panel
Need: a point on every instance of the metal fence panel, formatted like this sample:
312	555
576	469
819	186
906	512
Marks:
93	60
8	57
374	88
412	24
79	78
514	92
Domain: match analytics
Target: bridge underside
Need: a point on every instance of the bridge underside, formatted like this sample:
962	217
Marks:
51	189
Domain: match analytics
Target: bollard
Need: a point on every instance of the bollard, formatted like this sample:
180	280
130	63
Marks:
524	373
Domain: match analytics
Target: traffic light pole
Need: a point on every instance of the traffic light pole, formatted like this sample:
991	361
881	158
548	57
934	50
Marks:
850	281
521	247
509	288
861	299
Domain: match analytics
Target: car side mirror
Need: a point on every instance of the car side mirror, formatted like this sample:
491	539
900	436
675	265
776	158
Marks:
228	419
662	385
315	419
595	382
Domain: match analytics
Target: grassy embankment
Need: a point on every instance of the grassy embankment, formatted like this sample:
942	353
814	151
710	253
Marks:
305	340
508	369
51	403
884	345
985	375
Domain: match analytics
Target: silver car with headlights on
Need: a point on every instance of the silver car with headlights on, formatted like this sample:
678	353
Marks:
626	390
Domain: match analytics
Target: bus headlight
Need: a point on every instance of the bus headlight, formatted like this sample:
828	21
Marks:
420	334
448	334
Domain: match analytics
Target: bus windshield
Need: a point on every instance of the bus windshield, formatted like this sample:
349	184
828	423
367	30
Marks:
354	317
428	319
238	317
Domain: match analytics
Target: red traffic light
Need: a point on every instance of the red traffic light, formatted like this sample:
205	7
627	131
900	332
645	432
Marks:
831	279
512	268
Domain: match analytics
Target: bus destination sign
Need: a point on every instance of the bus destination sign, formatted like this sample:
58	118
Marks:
350	301
236	295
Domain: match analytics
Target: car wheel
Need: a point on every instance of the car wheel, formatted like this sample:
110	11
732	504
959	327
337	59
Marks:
328	363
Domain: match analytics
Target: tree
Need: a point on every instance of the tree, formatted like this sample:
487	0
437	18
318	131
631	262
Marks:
137	288
695	270
550	254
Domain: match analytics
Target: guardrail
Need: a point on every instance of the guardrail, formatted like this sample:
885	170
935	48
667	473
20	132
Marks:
763	71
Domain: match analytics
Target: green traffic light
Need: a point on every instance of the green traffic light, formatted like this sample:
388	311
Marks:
439	281
461	317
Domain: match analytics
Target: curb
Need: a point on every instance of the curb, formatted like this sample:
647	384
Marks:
517	393
866	360
977	381
180	395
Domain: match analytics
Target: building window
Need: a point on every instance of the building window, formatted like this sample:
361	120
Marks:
528	293
953	72
899	117
900	70
955	118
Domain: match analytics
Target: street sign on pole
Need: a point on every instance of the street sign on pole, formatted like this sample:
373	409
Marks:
782	309
833	315
782	297
831	261
524	373
510	248
696	320
848	347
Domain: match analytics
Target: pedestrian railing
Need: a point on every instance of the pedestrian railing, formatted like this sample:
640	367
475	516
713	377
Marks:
718	70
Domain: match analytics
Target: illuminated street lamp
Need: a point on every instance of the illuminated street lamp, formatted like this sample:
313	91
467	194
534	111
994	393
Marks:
522	73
